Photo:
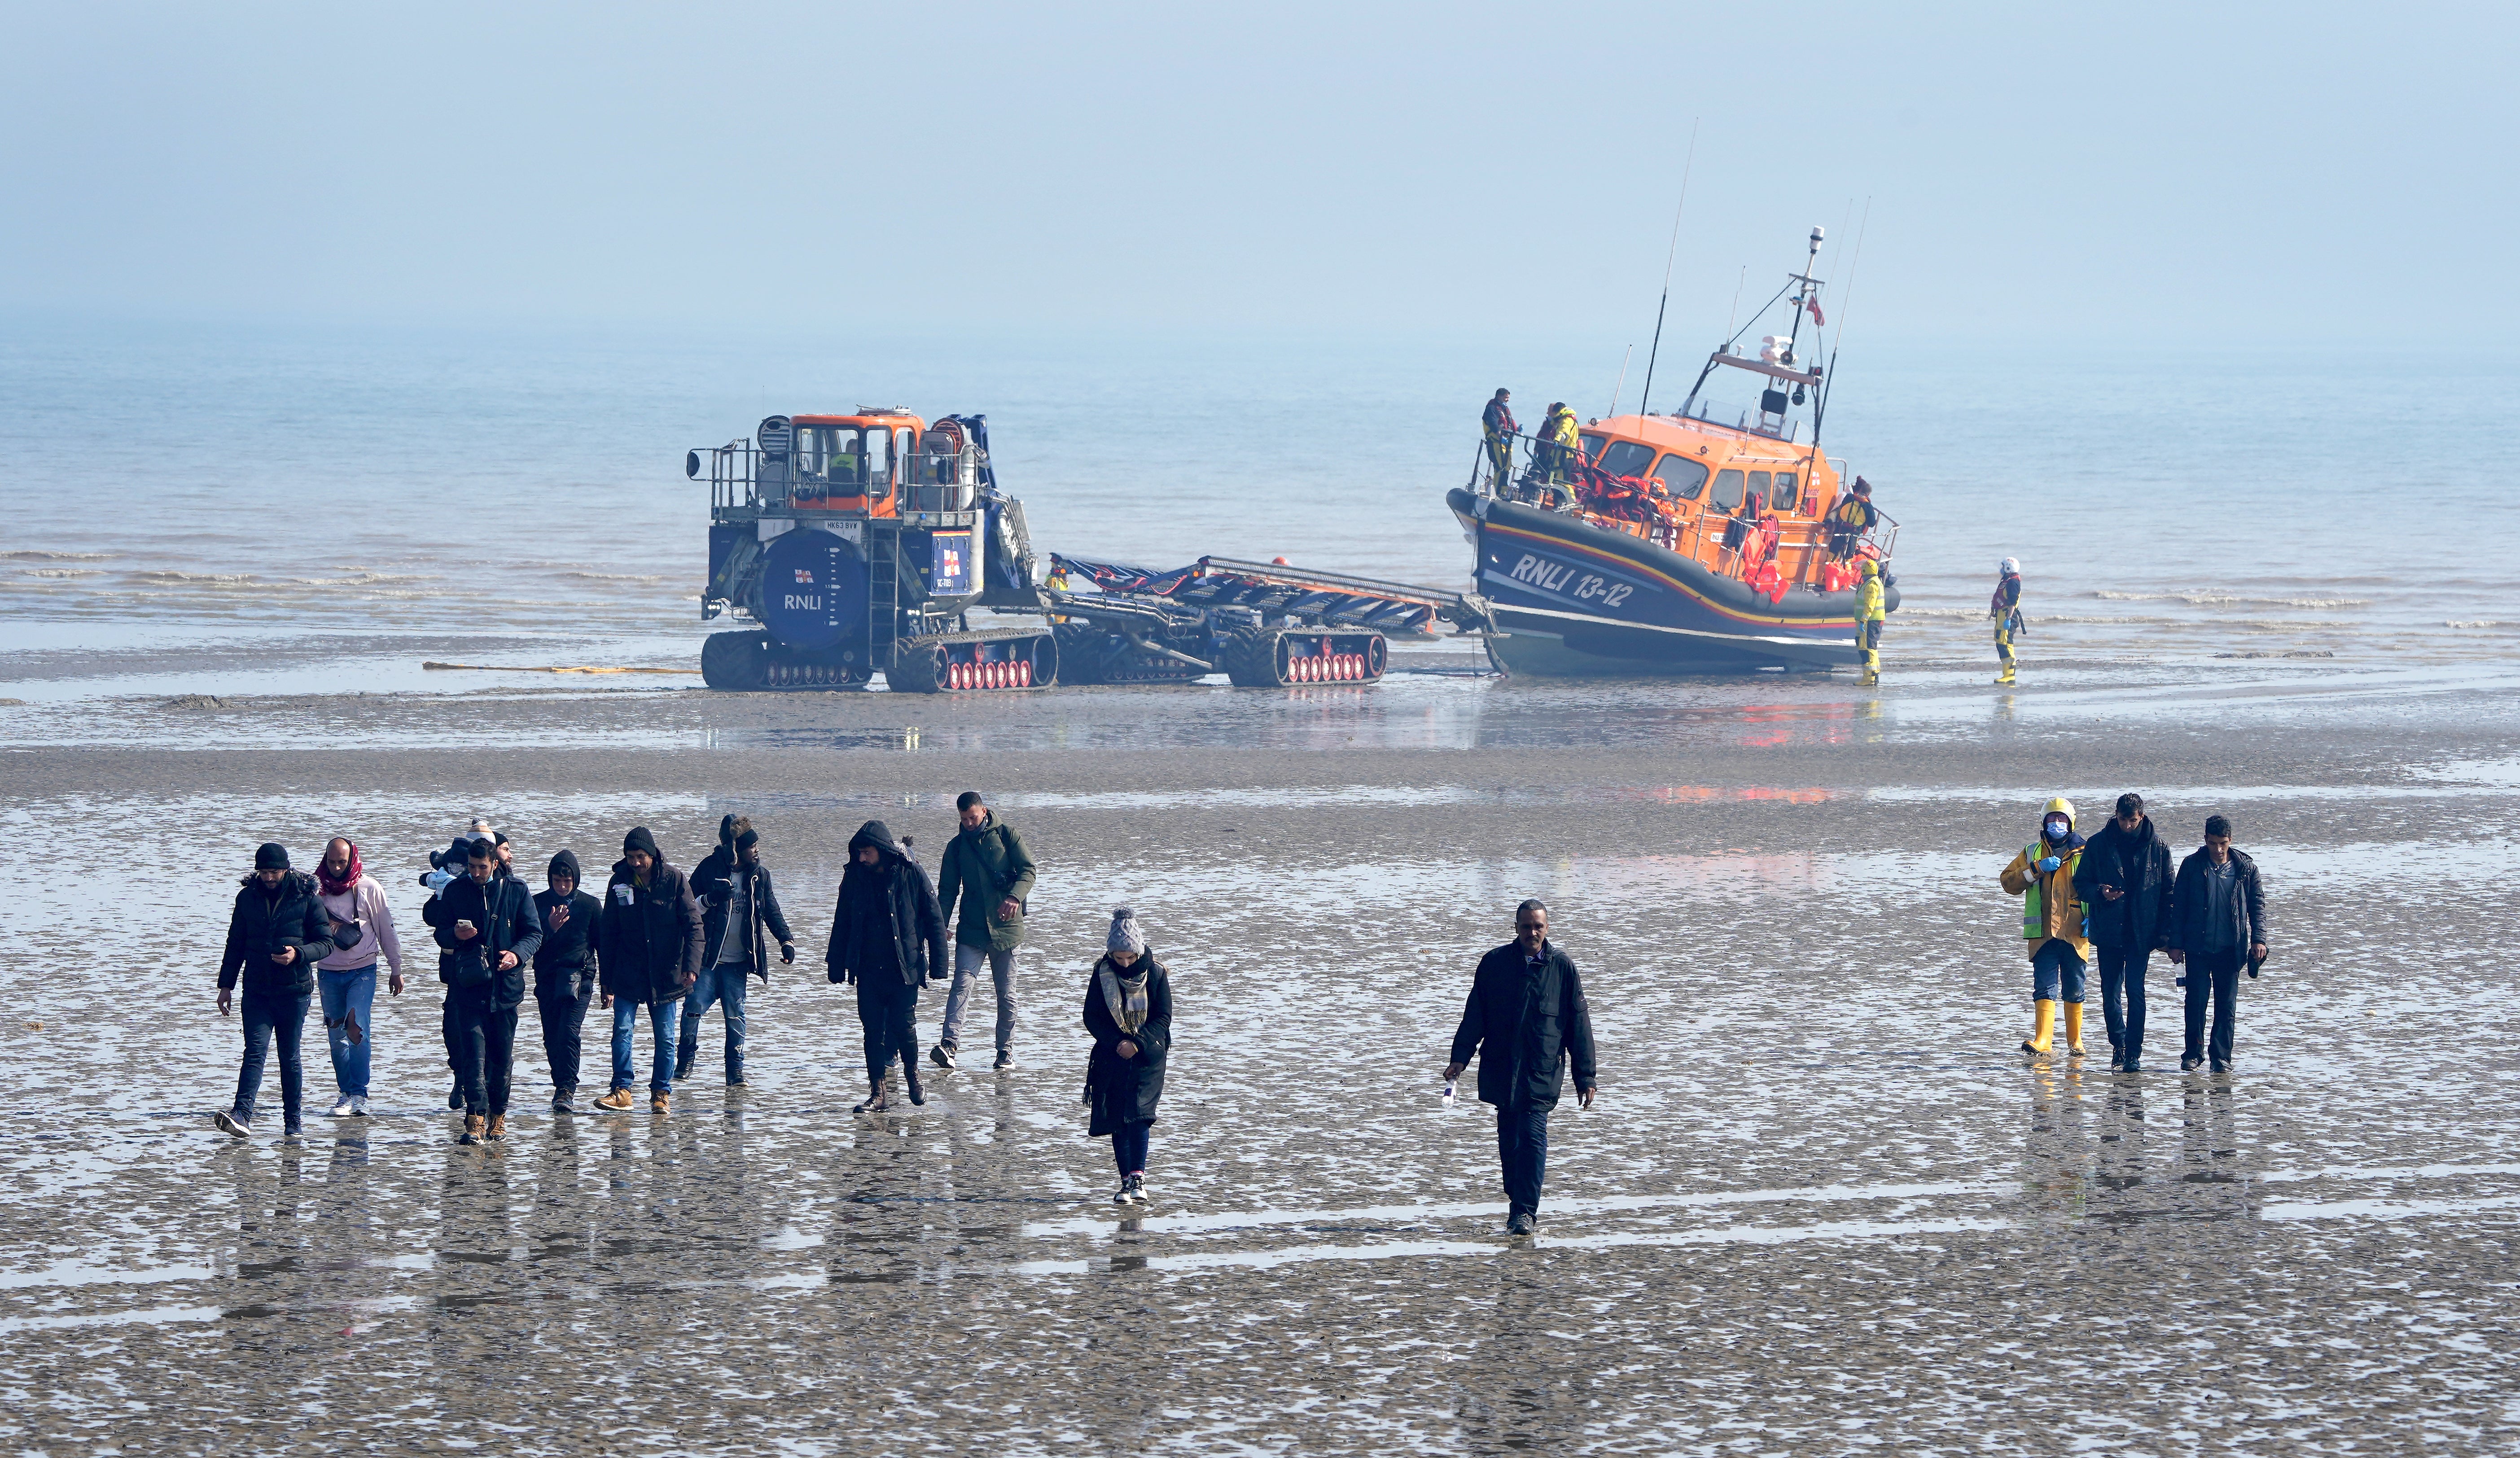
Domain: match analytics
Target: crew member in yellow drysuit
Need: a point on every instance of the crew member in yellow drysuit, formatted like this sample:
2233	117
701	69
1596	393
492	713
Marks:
2005	608
2051	924
1867	621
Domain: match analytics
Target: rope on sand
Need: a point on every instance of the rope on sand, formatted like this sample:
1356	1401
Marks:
503	668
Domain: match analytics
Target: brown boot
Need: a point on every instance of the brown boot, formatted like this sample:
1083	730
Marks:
614	1102
660	1103
472	1128
498	1127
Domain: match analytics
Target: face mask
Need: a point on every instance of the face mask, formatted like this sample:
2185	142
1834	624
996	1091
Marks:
2056	829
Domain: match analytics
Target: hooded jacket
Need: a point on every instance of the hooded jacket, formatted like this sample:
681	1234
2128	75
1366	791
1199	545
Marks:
262	922
650	947
982	868
714	881
2058	911
505	917
566	965
1526	1024
2192	905
2138	865
887	905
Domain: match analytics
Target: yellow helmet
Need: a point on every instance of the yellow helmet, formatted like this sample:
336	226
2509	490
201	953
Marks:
1872	568
2058	806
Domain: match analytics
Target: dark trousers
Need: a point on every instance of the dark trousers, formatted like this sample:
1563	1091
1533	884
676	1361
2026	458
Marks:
563	1014
1523	1149
1129	1146
485	1049
267	1016
889	1007
2122	967
2220	972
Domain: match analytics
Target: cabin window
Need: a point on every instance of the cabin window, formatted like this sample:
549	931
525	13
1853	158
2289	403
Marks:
1591	446
1626	457
1784	498
1683	477
1728	491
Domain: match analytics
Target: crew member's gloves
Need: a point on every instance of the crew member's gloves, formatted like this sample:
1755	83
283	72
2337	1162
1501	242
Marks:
2047	865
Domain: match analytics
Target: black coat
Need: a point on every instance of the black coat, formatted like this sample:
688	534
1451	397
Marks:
1531	1022
2137	864
566	962
263	922
507	921
2191	905
713	880
1124	1091
887	903
648	949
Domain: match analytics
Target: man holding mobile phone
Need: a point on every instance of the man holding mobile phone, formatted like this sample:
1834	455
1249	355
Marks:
490	927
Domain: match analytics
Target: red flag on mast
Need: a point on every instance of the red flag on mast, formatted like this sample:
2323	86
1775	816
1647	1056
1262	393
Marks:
1814	306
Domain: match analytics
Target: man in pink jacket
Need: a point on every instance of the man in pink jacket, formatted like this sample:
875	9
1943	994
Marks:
347	979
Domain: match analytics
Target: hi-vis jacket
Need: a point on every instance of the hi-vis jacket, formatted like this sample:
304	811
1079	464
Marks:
2049	910
1868	601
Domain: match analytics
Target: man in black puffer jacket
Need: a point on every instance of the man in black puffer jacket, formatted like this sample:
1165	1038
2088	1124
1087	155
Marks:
277	932
488	924
651	953
565	971
2218	924
1526	1020
888	937
2123	879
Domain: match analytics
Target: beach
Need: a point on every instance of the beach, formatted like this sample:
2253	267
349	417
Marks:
1821	1205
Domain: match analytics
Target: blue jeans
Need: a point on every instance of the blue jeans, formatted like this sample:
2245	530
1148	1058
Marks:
1523	1149
349	999
662	1020
967	960
2122	969
722	985
2055	960
266	1016
1129	1146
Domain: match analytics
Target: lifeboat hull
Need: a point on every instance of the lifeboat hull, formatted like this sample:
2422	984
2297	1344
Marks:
1578	600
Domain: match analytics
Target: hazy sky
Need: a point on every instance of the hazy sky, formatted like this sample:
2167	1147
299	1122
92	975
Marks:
2286	172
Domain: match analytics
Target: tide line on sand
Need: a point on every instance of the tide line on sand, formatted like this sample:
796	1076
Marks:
504	668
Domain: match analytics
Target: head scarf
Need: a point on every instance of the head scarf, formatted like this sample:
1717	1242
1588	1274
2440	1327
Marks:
350	878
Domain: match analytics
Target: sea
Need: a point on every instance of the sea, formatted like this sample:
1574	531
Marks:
264	508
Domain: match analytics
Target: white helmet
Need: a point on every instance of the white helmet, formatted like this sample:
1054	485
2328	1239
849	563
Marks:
2010	564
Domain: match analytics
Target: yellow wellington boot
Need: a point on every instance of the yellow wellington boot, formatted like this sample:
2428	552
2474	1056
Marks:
2074	1028
2045	1033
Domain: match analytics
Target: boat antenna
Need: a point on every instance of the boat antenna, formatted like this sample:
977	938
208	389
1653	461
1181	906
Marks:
1820	411
1621	387
1647	397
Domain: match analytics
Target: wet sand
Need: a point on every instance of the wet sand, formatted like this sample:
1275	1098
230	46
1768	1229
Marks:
1821	1206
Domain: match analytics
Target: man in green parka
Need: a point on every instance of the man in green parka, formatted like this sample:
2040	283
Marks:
985	870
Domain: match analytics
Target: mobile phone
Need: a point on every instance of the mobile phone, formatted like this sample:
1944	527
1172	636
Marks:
464	926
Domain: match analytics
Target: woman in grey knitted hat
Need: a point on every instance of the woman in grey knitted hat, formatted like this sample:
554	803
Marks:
1129	1010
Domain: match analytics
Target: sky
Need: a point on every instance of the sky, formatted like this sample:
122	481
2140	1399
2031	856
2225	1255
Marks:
2131	173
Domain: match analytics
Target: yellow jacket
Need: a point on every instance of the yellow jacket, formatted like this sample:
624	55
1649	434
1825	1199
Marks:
1562	428
1868	601
2050	911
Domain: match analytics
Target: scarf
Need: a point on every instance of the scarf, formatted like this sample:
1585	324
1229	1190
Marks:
349	880
1126	996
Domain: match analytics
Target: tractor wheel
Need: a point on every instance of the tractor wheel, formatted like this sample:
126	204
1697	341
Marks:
735	662
917	666
1251	658
1081	652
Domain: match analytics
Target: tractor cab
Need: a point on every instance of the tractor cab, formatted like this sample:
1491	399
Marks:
853	462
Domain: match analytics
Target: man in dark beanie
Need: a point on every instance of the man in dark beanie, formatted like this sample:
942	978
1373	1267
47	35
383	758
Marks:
277	932
650	952
489	925
737	899
887	937
2124	881
1526	1020
564	970
2217	922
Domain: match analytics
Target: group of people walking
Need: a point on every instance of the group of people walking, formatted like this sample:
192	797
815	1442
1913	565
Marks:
2114	891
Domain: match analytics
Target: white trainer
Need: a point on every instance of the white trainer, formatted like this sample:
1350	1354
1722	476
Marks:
358	1106
344	1106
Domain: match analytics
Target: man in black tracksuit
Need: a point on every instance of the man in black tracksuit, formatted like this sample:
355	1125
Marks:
2218	921
2122	880
1526	1010
564	972
488	922
887	936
